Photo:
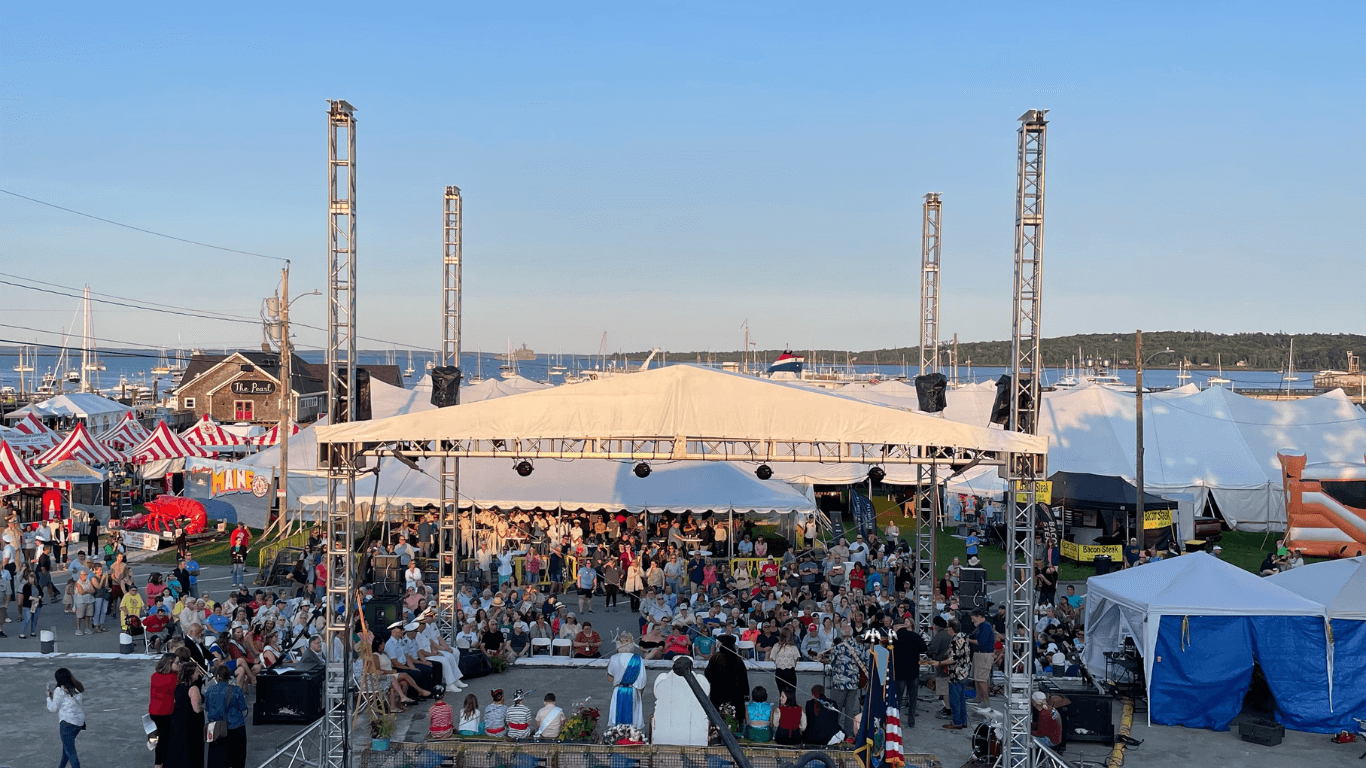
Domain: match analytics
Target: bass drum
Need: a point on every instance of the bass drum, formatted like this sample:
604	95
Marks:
986	745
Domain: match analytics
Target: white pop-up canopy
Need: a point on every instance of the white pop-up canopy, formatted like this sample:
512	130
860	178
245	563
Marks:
98	412
1338	585
687	406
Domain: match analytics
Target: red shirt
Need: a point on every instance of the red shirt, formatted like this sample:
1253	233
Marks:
156	623
1049	725
162	694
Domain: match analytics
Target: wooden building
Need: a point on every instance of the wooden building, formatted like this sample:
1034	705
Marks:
244	387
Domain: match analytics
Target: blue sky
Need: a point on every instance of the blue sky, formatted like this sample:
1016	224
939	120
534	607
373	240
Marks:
665	171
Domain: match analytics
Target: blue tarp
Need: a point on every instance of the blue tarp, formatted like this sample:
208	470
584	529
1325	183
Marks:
1293	653
1201	671
1349	675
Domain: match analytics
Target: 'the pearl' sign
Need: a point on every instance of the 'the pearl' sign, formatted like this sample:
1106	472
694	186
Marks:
253	387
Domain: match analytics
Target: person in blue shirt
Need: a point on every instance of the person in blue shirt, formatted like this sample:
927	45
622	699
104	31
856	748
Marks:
216	620
972	542
224	701
982	640
192	566
1073	598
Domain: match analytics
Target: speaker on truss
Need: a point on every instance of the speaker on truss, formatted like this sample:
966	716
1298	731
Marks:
445	385
972	589
1000	408
929	390
337	414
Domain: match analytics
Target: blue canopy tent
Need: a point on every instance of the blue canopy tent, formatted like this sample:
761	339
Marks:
1340	587
1201	624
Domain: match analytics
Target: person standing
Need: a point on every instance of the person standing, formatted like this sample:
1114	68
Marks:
65	699
627	671
99	580
611	583
983	644
785	656
226	702
192	568
30	600
907	650
92	546
845	668
238	554
161	702
957	667
938	651
635	584
587	580
186	733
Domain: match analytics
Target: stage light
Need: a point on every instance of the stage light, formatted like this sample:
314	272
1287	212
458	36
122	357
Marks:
523	468
642	470
763	472
876	474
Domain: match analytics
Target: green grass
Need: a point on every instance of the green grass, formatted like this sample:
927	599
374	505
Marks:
214	552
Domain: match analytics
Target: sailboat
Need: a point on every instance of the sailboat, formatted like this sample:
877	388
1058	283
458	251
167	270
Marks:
409	371
26	355
163	366
1183	373
1219	380
431	362
1290	365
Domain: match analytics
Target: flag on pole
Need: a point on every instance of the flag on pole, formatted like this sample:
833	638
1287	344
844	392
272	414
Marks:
892	756
866	748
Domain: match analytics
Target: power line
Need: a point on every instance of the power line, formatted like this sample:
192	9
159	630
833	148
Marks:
140	229
125	298
133	306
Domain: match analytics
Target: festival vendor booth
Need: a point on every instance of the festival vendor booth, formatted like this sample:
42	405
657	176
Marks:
1200	625
96	412
73	459
207	433
27	491
161	456
1098	514
1340	587
127	435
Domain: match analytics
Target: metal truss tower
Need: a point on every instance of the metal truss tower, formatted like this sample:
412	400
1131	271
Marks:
1024	470
341	399
448	542
927	486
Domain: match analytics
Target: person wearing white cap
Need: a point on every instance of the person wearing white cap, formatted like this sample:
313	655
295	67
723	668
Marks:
429	670
1049	723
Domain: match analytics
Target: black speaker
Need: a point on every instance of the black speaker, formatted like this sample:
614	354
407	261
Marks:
1000	408
972	588
338	409
380	612
445	385
289	697
1104	564
1090	717
474	664
929	390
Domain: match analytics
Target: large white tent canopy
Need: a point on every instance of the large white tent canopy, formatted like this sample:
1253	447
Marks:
684	403
98	412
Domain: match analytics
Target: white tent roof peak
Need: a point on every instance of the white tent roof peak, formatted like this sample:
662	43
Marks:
1338	585
1165	587
683	401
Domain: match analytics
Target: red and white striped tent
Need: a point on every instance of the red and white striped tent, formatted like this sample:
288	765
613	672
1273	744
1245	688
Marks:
272	435
30	425
16	475
82	447
163	444
210	433
127	435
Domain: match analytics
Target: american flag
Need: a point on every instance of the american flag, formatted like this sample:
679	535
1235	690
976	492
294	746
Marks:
891	755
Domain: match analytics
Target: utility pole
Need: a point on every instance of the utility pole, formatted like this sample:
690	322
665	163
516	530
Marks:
1026	367
339	597
1138	436
286	404
927	496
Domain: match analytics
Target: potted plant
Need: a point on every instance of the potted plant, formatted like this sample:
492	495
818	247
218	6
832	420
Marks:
499	663
381	728
623	735
727	712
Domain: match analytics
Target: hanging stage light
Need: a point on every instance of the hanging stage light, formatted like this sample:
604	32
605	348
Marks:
763	472
523	468
876	474
642	470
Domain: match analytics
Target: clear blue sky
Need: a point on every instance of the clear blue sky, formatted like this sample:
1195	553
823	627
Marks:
663	171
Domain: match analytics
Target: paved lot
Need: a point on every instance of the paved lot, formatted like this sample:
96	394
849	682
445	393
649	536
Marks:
117	697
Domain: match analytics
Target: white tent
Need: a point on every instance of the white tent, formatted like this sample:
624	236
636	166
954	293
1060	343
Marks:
99	413
1133	602
575	485
1211	442
1338	585
683	402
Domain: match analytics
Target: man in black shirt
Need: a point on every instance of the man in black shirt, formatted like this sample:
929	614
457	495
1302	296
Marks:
907	650
182	575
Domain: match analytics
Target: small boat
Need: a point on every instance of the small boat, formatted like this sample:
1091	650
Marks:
26	354
1219	380
163	366
409	371
788	363
1289	374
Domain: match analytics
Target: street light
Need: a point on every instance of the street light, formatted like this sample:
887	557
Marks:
1138	405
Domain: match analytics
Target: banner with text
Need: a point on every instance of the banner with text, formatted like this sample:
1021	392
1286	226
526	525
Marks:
1085	553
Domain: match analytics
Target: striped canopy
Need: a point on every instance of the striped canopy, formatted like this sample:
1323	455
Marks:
210	433
127	435
272	435
82	447
16	475
30	425
162	443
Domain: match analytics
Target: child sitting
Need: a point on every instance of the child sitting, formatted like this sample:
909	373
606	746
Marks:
760	715
442	718
469	717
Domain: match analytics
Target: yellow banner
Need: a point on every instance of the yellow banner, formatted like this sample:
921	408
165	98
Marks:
1085	553
1043	493
1156	518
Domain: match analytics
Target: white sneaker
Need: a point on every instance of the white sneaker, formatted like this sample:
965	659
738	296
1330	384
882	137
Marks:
79	632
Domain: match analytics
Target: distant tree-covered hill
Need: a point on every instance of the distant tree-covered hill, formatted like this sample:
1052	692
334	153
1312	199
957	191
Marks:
1263	351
